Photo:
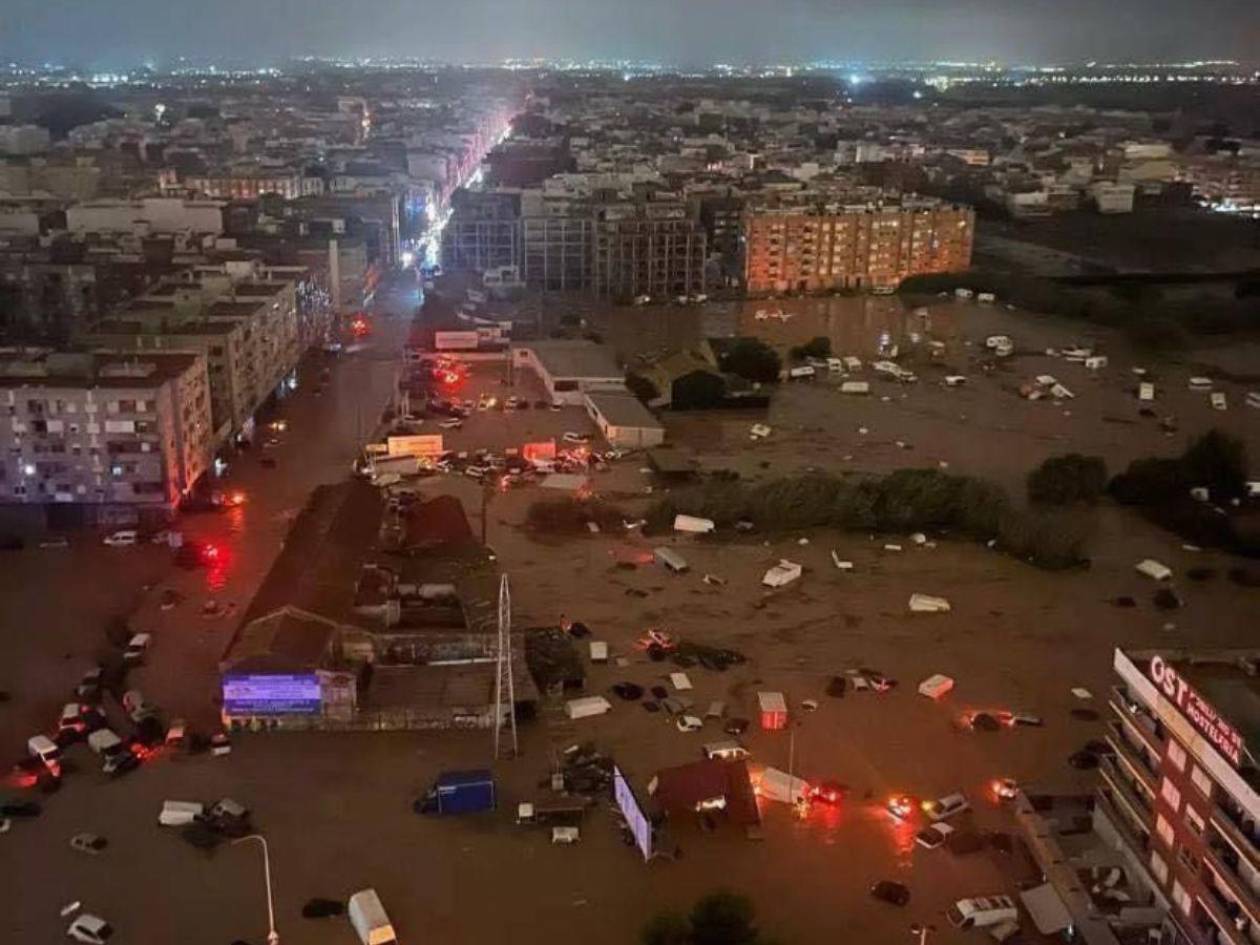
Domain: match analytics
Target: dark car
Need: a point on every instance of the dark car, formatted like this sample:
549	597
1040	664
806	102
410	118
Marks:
19	809
735	726
886	890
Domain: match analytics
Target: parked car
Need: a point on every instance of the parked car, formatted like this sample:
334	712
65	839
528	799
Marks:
78	719
571	437
89	686
828	792
123	538
137	647
689	723
88	843
229	818
886	890
945	807
932	837
90	929
901	806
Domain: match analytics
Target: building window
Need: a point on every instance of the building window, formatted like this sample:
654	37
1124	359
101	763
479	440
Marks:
1201	780
1165	830
1194	820
1168	791
1188	859
1159	867
1177	756
1181	897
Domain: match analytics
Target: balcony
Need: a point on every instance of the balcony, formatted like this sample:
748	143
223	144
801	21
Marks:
1138	720
1225	932
1126	789
1223	862
1140	842
1231	826
1137	758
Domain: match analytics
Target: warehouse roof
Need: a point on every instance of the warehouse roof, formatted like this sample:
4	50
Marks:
623	410
564	358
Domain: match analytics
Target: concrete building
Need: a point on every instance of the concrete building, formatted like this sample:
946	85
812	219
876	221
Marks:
570	370
1181	793
1112	197
24	139
248	183
147	215
111	437
623	421
656	249
807	249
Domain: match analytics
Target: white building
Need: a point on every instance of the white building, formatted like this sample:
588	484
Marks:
570	370
148	215
24	139
1112	197
624	422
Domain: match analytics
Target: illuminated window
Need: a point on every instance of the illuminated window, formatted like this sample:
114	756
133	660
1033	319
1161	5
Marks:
1181	897
1194	820
1168	791
1200	779
1177	755
1165	830
1159	867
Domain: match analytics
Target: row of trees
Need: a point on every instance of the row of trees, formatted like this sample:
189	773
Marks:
720	918
904	501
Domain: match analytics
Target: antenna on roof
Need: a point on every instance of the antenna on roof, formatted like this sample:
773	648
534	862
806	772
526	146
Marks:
504	685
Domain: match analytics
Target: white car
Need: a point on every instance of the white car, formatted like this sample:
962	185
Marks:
945	807
91	929
689	723
572	437
137	646
932	837
123	538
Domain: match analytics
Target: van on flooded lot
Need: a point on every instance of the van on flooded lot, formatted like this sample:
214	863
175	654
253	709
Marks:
942	808
729	750
43	748
982	912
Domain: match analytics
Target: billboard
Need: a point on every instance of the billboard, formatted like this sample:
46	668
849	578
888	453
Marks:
637	821
269	694
455	340
415	445
1198	711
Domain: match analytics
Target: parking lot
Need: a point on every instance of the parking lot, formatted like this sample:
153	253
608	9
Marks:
336	808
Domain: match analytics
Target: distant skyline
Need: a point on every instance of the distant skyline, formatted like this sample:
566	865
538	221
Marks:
117	33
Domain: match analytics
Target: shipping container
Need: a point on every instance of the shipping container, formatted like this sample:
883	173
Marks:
459	792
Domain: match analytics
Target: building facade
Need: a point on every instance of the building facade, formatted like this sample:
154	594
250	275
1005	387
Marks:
1182	786
816	250
108	434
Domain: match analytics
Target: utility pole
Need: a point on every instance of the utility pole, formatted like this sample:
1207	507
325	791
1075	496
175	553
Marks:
504	684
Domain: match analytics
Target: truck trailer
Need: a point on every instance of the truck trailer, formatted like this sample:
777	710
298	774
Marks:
459	792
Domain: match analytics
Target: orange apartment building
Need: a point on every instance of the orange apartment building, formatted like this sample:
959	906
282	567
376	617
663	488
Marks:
816	249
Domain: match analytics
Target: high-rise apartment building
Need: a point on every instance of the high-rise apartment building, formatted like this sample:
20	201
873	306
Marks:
653	249
1181	794
821	248
94	432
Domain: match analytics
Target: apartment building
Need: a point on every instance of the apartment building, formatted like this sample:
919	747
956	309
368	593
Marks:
484	231
249	339
1181	794
249	183
104	435
653	249
812	249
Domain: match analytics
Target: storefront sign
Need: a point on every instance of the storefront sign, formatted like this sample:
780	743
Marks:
1197	710
415	445
271	694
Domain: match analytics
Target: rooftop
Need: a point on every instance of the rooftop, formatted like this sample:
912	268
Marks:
75	370
564	358
624	410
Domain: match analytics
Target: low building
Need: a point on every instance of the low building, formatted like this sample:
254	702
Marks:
624	422
104	438
570	370
1112	197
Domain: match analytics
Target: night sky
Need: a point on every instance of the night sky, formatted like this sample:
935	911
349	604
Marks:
112	33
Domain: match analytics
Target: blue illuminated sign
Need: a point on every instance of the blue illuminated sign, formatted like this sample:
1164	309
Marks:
271	695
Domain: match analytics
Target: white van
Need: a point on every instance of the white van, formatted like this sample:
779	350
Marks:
179	813
43	748
368	917
982	912
729	750
127	536
670	559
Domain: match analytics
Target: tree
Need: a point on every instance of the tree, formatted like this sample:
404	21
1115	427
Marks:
753	360
819	347
1064	480
641	387
723	918
1218	461
698	390
666	928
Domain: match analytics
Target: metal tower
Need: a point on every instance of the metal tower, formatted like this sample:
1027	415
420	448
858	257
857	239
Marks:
504	686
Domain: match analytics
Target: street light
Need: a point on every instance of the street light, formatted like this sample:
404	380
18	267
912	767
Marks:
273	937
